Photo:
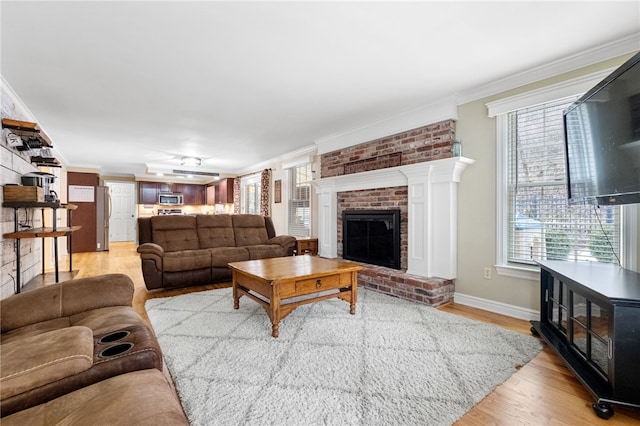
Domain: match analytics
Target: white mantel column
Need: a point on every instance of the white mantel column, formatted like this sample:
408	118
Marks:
328	221
433	217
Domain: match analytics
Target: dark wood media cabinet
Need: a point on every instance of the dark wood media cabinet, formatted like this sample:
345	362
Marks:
590	317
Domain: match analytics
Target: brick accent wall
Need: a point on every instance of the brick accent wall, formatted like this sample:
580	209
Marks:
432	142
427	143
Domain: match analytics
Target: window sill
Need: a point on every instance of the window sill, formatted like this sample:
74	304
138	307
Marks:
528	273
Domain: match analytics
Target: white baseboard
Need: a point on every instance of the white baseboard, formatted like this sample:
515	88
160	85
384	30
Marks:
497	307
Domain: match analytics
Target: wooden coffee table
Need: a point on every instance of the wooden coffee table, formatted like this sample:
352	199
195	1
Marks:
282	284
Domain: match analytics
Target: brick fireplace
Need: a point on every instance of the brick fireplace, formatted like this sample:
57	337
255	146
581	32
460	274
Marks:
370	177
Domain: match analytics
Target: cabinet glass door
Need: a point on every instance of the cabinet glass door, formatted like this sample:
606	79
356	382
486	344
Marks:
579	336
557	305
599	330
590	332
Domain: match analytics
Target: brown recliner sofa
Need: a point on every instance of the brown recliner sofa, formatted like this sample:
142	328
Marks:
64	348
181	251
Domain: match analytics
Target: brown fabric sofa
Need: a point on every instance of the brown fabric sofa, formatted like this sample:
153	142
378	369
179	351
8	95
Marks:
141	398
181	251
67	337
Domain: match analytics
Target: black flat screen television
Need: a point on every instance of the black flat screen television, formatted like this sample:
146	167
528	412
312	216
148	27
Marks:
602	140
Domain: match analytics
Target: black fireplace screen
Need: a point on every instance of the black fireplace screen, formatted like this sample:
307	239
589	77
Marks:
372	236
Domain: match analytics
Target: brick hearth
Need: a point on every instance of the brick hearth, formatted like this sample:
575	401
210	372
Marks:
431	291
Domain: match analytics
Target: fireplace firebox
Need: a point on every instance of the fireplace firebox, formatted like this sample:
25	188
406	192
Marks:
372	236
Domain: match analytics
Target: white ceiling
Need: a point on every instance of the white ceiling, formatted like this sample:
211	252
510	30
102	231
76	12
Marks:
126	86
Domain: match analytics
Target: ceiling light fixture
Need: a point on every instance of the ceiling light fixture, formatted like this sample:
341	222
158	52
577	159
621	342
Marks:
190	161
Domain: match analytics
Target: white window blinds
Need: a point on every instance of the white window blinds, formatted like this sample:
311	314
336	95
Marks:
300	200
250	190
541	223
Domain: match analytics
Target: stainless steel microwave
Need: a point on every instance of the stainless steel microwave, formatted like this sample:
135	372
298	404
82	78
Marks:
170	199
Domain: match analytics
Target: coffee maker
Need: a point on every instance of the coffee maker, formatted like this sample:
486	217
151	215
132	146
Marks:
43	180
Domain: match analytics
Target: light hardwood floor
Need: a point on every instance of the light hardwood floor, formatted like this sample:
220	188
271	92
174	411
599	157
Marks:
542	392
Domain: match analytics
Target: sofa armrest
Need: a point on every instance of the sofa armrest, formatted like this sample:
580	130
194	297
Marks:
35	361
151	249
154	252
282	240
64	299
286	241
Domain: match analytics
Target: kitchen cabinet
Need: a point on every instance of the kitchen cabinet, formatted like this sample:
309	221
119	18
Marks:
177	188
211	194
148	192
193	194
590	317
225	191
220	192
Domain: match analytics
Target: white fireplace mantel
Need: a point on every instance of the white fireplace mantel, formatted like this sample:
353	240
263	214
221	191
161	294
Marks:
432	211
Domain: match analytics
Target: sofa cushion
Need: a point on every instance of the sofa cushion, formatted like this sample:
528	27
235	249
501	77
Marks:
221	256
266	251
186	260
249	230
101	320
215	231
106	320
175	233
64	299
137	398
35	329
37	360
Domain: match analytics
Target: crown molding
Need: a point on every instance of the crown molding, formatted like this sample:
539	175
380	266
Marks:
28	115
623	46
309	151
17	102
573	87
447	108
444	109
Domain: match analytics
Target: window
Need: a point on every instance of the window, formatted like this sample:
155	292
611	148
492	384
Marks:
250	194
531	183
300	201
540	224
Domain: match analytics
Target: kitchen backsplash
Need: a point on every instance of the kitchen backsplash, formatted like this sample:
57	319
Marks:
147	210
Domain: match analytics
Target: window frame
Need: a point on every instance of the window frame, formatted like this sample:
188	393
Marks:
498	109
246	181
292	186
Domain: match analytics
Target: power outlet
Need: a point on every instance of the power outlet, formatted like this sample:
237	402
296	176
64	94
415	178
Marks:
487	273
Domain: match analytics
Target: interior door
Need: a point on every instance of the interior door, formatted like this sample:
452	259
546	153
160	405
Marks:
123	211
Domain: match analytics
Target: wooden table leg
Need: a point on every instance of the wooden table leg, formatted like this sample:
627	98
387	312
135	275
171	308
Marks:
236	299
354	293
274	304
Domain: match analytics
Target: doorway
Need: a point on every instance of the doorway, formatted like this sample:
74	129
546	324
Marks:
123	210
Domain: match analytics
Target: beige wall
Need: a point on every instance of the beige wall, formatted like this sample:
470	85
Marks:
477	202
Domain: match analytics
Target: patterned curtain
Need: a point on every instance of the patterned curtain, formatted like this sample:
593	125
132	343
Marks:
265	184
236	195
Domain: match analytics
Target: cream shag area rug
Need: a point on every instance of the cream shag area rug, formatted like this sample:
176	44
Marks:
393	363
